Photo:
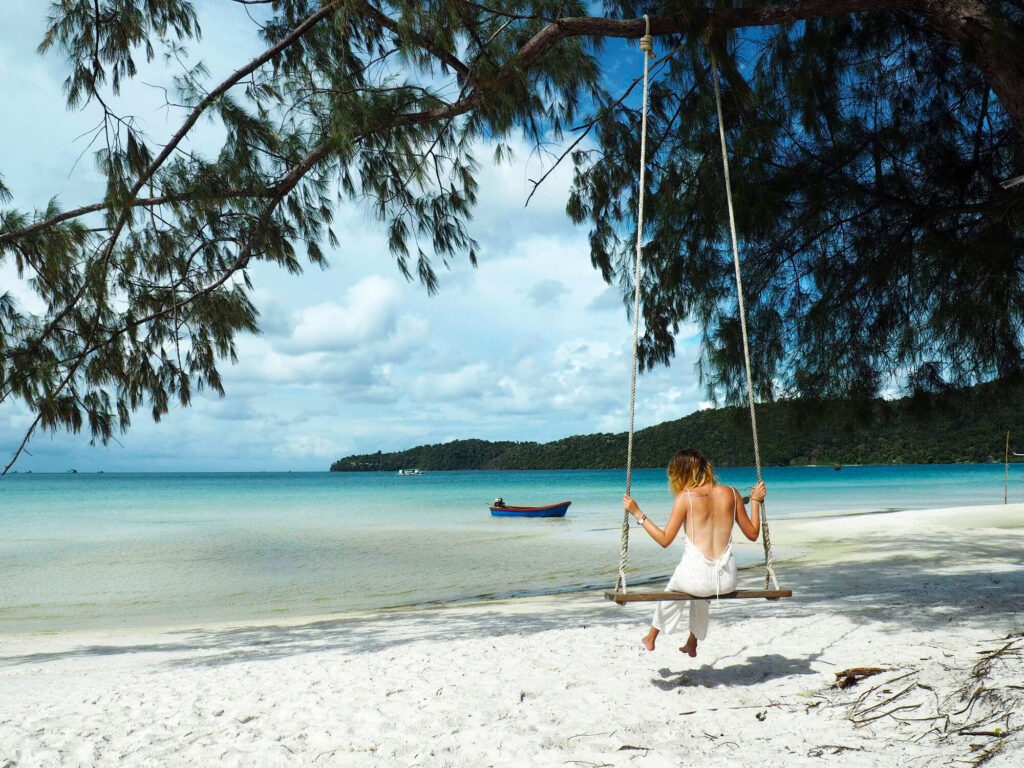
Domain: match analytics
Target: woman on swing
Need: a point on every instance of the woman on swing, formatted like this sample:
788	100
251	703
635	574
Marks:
705	511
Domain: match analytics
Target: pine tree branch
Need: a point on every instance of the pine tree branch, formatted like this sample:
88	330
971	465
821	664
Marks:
127	206
541	43
439	53
24	442
241	261
598	27
142	202
590	124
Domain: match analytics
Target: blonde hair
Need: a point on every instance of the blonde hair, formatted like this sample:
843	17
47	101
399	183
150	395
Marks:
689	469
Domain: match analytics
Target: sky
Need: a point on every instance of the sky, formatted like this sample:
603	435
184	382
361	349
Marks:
529	345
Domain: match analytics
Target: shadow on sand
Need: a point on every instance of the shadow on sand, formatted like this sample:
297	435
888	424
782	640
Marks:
960	581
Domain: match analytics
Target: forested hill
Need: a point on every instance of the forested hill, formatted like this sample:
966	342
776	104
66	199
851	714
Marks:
959	426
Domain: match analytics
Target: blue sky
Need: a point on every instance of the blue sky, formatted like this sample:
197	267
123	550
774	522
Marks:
531	345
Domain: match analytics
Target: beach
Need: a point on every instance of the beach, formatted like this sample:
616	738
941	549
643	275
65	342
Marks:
313	384
932	598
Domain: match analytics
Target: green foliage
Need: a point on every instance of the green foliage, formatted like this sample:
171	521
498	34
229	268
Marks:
146	291
956	426
458	454
100	39
877	246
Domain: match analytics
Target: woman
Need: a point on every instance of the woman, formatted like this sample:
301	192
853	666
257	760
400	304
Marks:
705	512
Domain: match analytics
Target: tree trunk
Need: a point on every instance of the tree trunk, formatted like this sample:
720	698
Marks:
989	42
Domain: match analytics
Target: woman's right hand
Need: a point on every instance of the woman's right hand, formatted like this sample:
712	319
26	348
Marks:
759	492
629	504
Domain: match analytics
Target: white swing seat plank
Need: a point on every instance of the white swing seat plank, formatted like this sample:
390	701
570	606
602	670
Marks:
737	594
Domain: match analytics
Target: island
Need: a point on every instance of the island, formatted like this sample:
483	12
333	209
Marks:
959	425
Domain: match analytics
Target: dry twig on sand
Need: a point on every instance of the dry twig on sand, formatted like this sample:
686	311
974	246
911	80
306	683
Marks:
979	705
837	749
854	675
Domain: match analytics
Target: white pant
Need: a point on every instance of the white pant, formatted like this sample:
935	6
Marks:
697	575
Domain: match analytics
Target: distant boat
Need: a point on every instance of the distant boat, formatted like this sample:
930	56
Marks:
837	467
410	472
551	510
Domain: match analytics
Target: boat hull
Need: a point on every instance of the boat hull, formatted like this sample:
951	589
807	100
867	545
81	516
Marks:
552	510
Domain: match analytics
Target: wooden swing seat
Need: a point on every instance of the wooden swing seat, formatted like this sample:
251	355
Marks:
653	597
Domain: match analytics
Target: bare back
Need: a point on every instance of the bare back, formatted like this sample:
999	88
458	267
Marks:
708	523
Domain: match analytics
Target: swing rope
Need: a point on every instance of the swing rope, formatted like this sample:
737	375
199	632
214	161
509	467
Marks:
647	46
766	538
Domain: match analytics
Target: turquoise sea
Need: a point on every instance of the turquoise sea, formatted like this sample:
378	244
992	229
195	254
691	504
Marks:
108	550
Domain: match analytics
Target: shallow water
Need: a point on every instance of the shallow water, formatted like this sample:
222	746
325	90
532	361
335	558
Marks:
103	550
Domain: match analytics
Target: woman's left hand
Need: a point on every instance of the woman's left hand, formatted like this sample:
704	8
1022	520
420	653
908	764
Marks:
759	492
629	504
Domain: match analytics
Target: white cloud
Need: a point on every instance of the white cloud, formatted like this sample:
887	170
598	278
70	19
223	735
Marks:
503	215
608	300
307	446
546	293
368	313
470	382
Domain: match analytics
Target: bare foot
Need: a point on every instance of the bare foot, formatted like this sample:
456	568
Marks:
690	649
648	642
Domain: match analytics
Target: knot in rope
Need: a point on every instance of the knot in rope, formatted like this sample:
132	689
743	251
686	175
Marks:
647	42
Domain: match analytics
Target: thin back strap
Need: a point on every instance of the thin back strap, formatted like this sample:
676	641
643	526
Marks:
690	516
735	511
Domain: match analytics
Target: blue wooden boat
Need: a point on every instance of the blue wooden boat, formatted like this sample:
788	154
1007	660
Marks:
551	510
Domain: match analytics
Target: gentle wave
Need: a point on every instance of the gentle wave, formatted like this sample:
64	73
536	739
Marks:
108	550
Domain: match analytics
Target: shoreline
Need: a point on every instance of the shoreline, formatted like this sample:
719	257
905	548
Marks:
552	680
795	532
803	544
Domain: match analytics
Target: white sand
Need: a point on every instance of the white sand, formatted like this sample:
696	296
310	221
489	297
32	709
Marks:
563	680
